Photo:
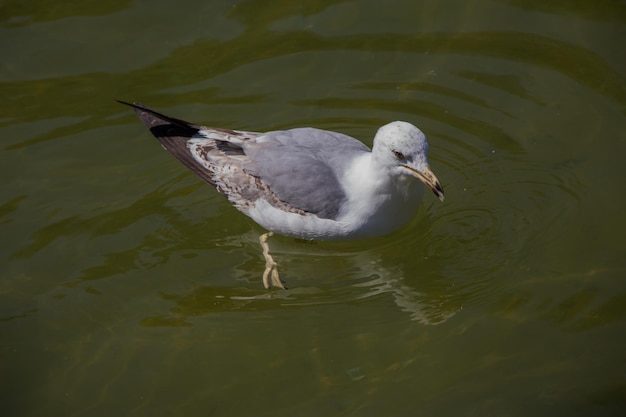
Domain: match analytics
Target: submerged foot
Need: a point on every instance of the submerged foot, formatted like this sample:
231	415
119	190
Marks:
270	275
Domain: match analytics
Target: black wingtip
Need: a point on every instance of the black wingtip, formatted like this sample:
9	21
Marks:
161	125
142	108
136	105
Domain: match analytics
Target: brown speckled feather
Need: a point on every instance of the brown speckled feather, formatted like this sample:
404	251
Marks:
216	156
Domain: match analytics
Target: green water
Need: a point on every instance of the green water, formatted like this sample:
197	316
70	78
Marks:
128	287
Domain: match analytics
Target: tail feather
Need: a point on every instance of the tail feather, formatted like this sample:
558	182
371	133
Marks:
160	124
173	134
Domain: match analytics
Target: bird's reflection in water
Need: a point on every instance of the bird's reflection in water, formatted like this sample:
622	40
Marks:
318	274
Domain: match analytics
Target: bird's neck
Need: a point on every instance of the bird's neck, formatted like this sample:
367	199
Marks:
378	198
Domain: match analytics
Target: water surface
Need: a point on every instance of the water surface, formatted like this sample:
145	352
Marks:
128	287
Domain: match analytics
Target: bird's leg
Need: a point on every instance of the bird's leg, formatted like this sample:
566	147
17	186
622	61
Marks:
270	275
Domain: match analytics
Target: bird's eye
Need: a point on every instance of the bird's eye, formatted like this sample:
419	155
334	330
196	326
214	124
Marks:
398	154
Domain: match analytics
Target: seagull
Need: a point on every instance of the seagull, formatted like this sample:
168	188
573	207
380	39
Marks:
305	183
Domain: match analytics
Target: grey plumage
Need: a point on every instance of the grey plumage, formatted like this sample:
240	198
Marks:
296	169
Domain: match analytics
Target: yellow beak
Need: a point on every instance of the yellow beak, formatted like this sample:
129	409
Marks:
429	178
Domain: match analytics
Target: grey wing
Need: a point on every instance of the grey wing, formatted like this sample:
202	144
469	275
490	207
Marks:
300	179
313	138
299	167
302	167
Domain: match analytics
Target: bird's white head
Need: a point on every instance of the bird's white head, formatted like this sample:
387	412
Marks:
402	148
